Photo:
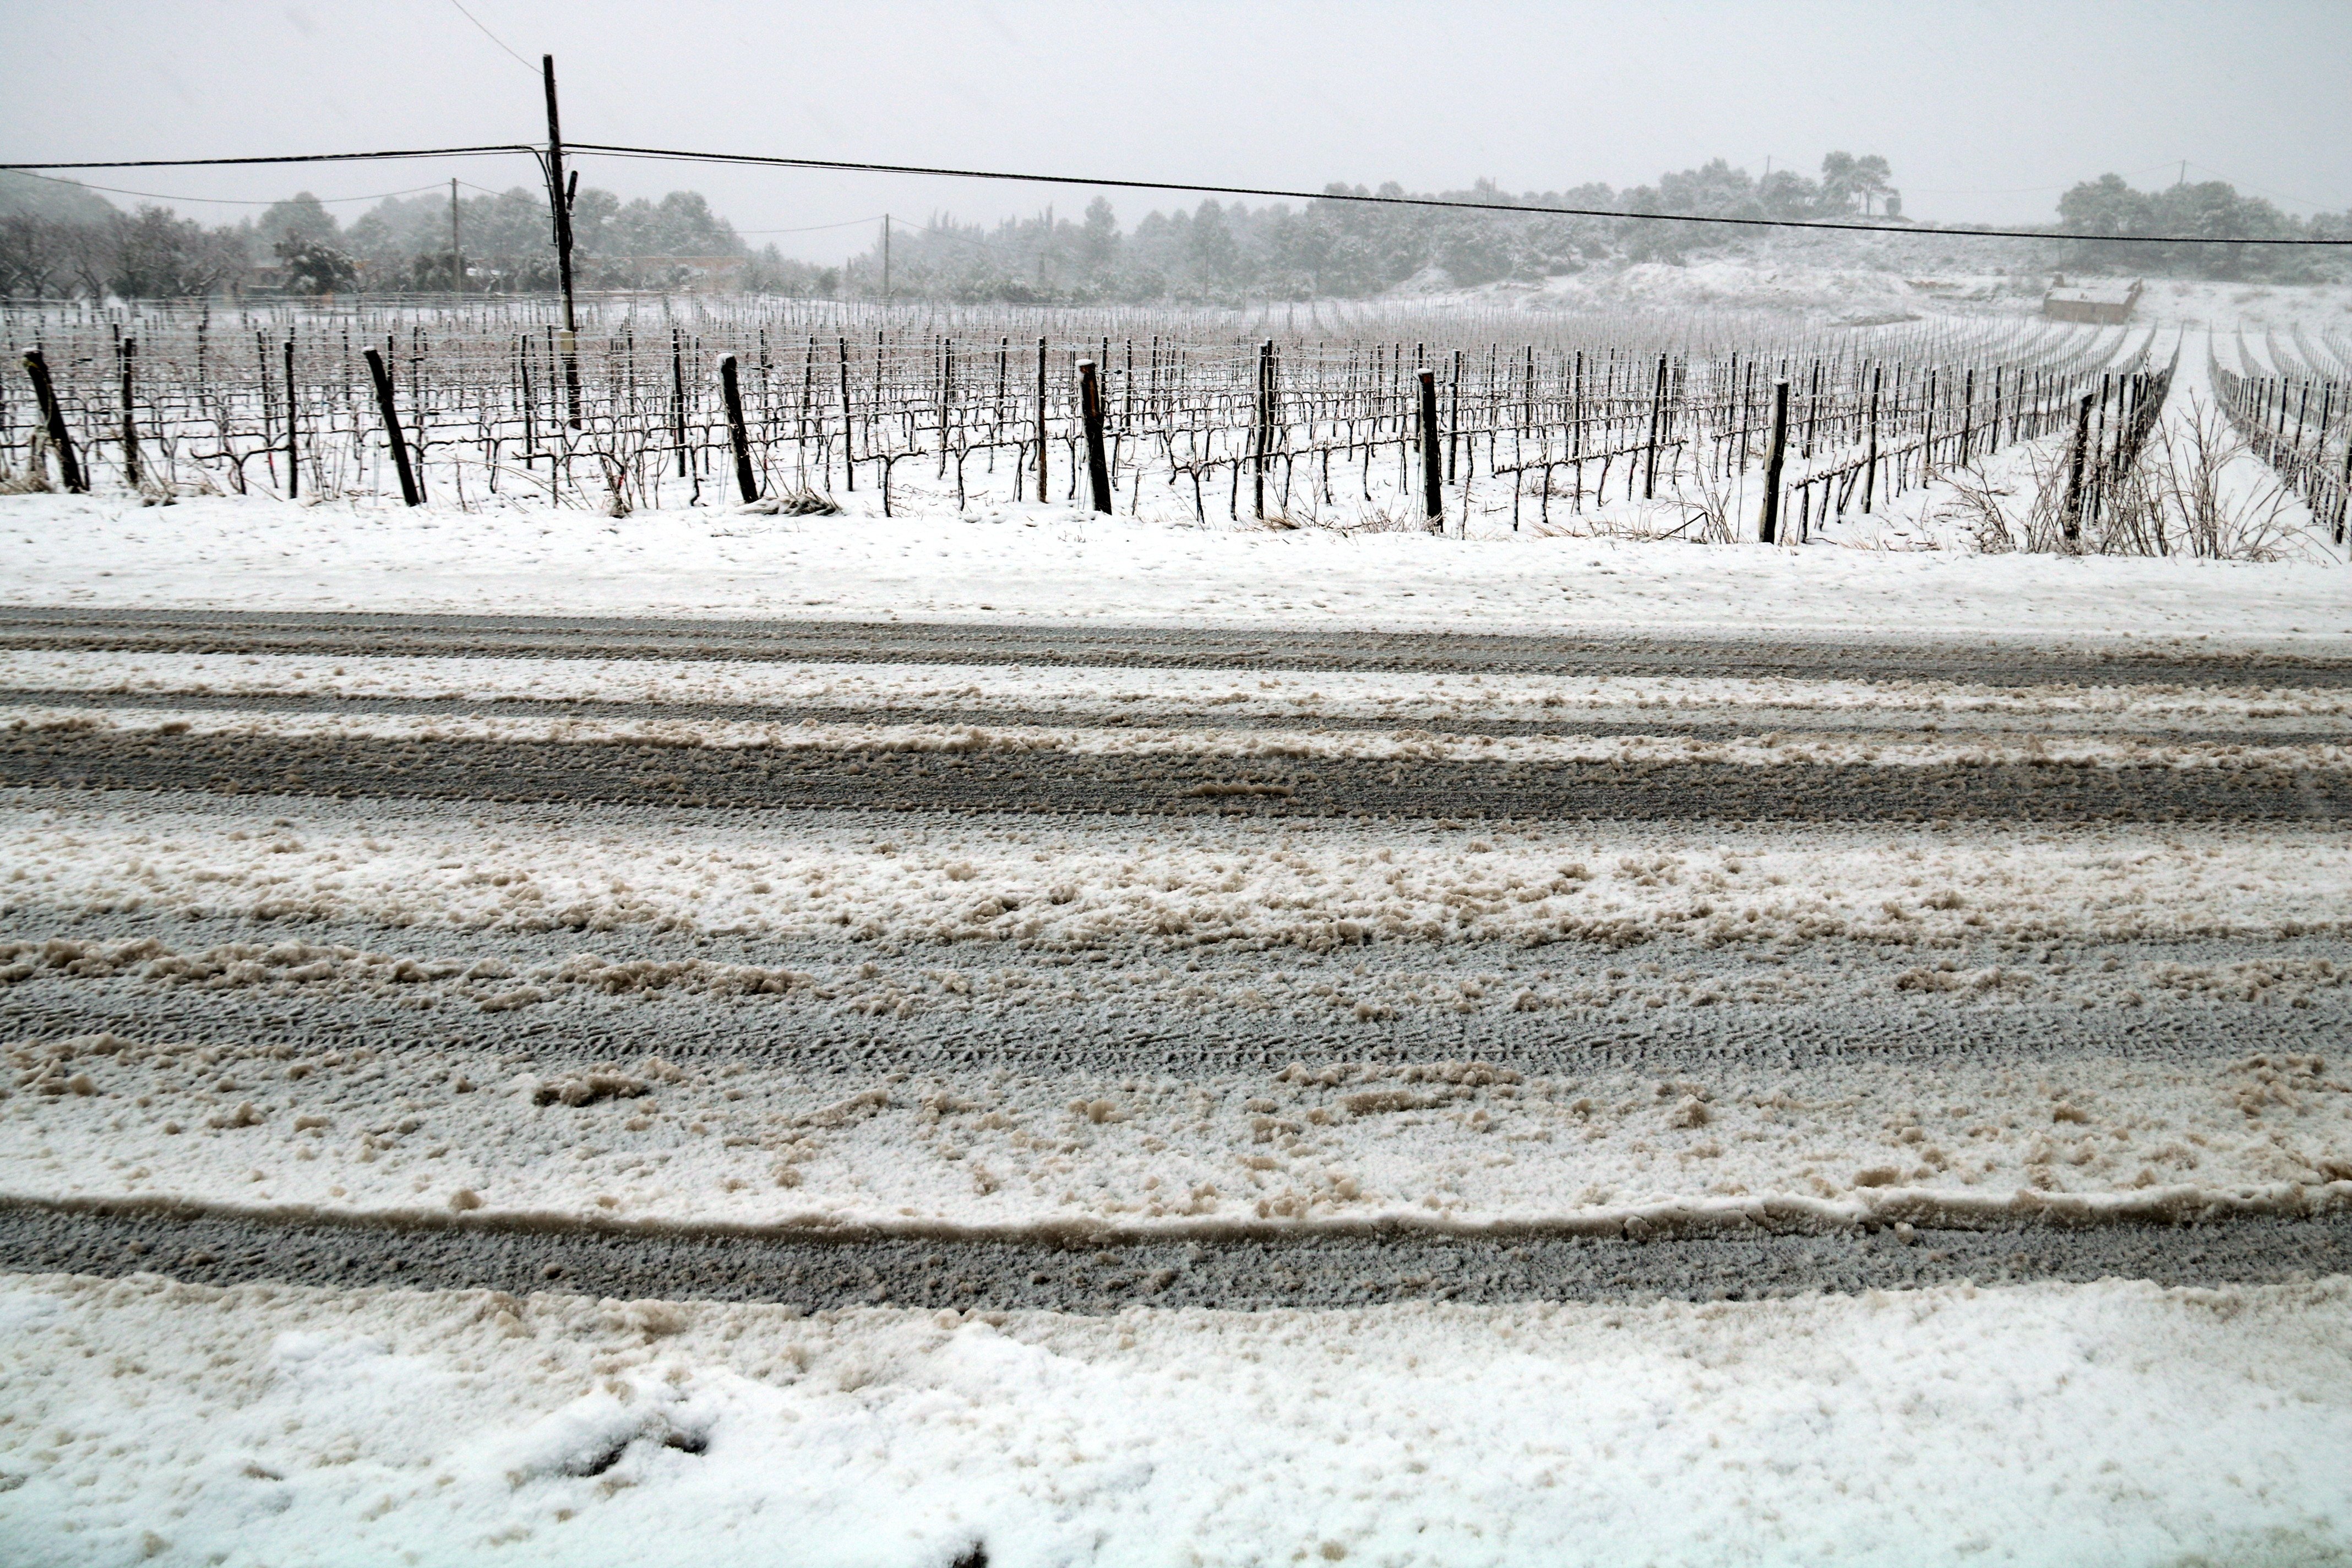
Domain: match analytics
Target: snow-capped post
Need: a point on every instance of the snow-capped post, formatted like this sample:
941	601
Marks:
677	397
1776	452
1968	413
1453	423
1870	463
2343	501
1261	428
1090	408
383	379
293	410
129	425
745	481
2073	521
1927	432
1045	473
848	453
1432	465
54	417
1657	414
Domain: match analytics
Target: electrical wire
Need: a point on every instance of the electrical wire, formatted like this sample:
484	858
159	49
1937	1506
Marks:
677	155
284	158
843	165
222	201
493	37
812	228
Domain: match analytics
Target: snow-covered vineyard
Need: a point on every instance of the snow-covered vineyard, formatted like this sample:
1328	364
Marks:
1000	1033
1654	422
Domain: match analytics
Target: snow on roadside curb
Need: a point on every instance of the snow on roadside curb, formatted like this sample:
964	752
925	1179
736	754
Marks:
284	1423
1047	563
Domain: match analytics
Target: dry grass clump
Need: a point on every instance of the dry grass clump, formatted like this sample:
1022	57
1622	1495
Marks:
2188	495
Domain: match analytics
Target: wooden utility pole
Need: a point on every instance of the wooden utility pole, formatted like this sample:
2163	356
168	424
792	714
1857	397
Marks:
559	193
885	261
457	243
1775	453
1432	465
54	417
745	481
1090	408
383	379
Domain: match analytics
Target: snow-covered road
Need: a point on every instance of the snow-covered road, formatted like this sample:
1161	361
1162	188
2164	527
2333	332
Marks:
1941	941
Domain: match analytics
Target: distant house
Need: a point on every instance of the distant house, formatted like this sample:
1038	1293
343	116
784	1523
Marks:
2095	304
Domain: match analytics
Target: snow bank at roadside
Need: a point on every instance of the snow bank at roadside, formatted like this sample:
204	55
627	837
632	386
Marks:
1043	564
2114	1423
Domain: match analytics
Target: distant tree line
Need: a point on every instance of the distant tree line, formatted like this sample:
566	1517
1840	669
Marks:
1221	251
57	238
61	239
2209	208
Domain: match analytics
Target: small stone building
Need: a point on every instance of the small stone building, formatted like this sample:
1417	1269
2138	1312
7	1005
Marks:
2094	304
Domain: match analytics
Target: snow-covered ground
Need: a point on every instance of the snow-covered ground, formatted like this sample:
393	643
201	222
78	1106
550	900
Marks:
1048	564
2114	1423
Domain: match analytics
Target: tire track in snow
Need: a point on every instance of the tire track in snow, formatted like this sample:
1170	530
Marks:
1825	657
1079	1275
1248	1271
1791	725
986	778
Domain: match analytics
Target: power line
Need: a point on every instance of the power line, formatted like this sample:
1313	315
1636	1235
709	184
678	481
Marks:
494	37
675	156
814	228
222	201
283	158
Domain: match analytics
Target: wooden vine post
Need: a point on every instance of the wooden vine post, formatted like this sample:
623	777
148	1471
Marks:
383	379
1045	473
293	444
2073	520
1776	453
1657	414
677	397
1870	463
1090	405
1433	463
130	423
54	417
747	483
1261	428
848	451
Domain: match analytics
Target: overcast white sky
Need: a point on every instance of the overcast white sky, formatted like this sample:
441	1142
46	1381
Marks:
1985	107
